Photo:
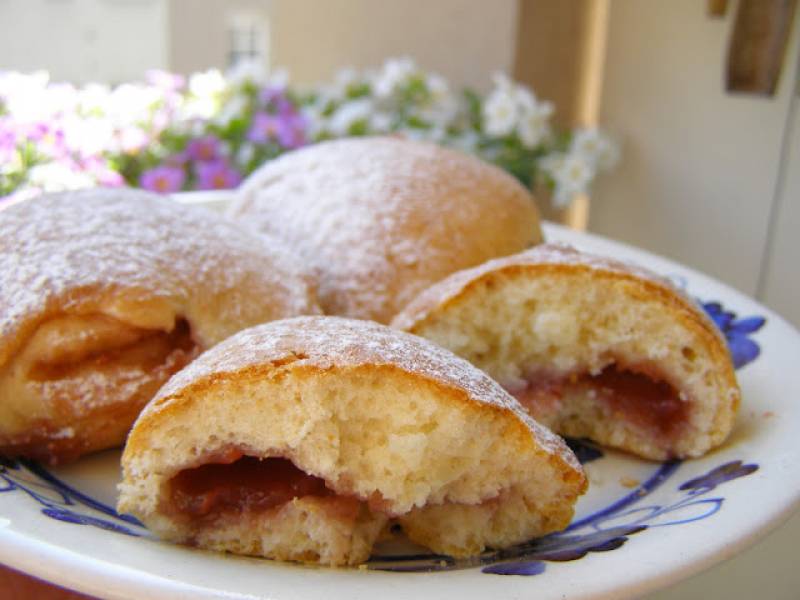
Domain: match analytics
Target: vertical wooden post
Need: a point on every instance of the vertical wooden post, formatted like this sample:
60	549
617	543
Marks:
590	90
560	53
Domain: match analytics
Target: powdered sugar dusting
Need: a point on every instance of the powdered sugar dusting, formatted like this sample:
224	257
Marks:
60	251
326	342
544	254
380	219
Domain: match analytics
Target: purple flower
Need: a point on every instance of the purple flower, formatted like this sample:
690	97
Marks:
287	130
204	148
49	139
275	99
163	179
178	160
216	175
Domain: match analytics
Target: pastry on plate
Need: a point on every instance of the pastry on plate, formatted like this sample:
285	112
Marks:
304	439
380	219
591	347
106	293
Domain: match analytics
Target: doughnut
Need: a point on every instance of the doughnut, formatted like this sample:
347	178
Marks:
380	219
106	293
592	347
304	439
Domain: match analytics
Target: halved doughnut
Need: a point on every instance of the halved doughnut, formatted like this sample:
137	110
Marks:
591	347
303	439
106	293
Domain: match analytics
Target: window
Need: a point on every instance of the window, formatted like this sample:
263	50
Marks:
247	40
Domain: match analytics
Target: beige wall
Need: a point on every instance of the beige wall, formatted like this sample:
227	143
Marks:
464	40
84	40
199	29
700	166
781	279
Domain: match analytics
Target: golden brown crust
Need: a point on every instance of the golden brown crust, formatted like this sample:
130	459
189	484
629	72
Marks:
381	416
142	263
330	344
565	266
551	260
380	219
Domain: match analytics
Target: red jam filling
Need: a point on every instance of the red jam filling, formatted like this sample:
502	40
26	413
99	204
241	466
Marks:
644	400
637	395
235	483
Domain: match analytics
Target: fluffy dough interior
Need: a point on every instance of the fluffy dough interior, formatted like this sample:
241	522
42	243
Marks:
574	347
457	476
80	381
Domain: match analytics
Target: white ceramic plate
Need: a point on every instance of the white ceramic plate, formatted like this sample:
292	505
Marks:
640	527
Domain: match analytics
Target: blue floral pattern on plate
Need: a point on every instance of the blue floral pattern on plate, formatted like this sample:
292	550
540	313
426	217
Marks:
602	531
60	501
737	331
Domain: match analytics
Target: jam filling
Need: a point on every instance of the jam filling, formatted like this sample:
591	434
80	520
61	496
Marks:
637	395
236	483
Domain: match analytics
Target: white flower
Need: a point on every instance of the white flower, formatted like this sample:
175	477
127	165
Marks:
437	87
500	112
233	108
466	141
316	123
380	122
512	107
344	79
13	82
598	149
571	173
395	72
132	139
534	125
247	70
87	135
503	82
437	134
245	154
54	177
199	108
278	78
350	113
442	107
206	83
414	133
131	103
28	98
94	98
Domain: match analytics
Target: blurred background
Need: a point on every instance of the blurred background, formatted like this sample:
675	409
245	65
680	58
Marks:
701	98
710	173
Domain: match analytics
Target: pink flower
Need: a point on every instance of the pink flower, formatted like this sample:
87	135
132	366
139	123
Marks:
203	148
163	179
132	139
8	139
216	175
100	170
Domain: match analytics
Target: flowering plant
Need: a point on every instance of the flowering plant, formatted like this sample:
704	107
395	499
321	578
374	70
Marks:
168	133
